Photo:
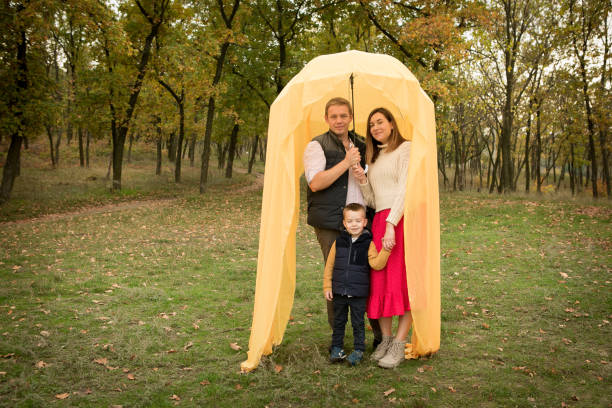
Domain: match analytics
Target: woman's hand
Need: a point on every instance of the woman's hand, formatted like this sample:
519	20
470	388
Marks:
328	295
360	174
388	240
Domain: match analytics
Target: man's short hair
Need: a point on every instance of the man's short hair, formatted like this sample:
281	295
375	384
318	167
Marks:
353	207
338	101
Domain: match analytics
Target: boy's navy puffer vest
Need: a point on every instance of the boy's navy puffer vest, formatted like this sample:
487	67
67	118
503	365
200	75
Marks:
325	206
351	276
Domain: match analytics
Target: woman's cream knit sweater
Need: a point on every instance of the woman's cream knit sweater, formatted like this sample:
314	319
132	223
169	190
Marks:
386	183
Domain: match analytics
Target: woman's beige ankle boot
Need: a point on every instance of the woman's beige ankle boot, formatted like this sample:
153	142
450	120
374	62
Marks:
382	348
395	355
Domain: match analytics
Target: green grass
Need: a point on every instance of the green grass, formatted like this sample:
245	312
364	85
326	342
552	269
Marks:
160	290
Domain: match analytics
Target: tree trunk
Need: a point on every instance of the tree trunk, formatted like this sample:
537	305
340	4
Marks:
192	148
69	124
221	154
171	145
494	171
131	141
50	136
81	147
58	142
561	175
158	165
506	135
527	137
457	183
120	134
231	151
262	149
538	157
603	128
179	144
11	167
110	166
87	148
13	159
253	152
572	170
185	147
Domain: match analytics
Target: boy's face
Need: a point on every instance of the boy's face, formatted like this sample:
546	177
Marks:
354	222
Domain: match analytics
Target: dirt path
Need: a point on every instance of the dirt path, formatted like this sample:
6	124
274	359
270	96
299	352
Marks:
95	210
127	205
257	184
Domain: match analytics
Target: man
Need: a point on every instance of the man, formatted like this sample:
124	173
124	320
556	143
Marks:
328	167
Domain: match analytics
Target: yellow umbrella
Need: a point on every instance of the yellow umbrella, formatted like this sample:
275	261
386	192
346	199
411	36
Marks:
296	116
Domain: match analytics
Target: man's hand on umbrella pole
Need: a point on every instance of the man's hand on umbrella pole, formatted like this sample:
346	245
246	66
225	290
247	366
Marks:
352	156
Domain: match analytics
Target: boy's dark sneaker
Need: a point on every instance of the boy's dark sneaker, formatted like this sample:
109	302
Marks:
336	355
355	357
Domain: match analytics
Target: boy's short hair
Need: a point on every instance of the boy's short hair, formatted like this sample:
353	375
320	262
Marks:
353	207
339	101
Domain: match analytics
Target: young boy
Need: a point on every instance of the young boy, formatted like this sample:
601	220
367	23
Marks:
346	281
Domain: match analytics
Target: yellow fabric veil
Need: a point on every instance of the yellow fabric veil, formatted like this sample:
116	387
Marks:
296	116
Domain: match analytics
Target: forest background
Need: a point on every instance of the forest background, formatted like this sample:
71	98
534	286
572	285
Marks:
521	87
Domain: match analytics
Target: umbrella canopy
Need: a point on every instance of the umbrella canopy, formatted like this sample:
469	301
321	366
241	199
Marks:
296	116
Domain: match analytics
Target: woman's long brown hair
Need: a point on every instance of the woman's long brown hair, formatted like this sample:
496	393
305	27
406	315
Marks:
373	145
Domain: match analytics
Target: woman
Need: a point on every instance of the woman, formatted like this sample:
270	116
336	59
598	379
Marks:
383	188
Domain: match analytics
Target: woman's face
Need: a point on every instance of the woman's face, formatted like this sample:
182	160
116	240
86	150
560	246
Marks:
380	127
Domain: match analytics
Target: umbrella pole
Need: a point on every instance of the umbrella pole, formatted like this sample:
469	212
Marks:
353	104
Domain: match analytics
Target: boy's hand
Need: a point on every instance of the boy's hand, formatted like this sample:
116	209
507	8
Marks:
328	295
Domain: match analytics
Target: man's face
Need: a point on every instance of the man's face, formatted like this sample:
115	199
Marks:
338	119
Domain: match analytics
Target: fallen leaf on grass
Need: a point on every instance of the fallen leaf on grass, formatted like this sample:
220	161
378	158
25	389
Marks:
205	382
235	346
451	389
433	389
564	275
278	368
424	368
171	351
485	326
188	346
45	333
131	377
175	397
389	391
2	372
41	364
238	386
102	361
62	396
